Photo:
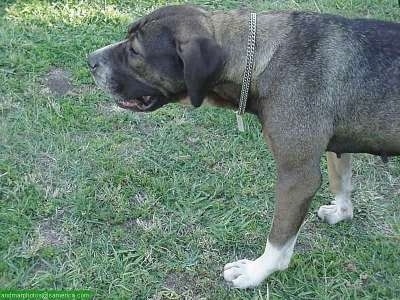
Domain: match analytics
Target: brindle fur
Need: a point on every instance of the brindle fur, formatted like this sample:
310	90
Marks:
321	83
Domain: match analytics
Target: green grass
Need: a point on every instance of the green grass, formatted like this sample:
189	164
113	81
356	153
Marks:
151	206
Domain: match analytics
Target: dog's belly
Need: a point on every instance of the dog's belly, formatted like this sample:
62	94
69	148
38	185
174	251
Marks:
377	144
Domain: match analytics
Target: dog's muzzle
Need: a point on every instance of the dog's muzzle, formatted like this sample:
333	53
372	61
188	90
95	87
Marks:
102	74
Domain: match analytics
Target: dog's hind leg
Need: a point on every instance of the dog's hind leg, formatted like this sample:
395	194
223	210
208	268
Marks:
339	171
299	178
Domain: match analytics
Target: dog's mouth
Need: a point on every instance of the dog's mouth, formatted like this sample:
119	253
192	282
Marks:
143	103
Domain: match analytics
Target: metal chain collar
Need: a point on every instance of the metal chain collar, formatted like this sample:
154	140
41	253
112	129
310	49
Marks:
251	46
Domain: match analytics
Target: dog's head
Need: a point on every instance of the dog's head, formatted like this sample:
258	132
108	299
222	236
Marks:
167	55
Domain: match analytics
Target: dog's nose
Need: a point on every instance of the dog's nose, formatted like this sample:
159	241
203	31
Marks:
93	62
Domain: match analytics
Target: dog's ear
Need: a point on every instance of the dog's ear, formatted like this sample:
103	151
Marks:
202	62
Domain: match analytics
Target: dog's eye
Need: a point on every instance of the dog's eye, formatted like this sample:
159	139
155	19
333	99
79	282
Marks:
133	51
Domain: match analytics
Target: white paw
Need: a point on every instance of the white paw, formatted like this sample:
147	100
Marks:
334	213
245	273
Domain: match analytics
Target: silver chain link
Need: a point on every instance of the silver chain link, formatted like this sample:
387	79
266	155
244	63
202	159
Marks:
251	46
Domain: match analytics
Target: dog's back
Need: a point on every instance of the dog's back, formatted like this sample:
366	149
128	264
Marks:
348	69
371	121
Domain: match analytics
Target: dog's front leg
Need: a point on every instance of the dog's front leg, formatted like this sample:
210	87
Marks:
298	180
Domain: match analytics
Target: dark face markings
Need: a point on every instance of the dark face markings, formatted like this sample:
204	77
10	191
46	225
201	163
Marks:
150	68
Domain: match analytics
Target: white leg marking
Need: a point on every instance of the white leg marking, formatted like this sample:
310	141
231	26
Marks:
341	208
250	273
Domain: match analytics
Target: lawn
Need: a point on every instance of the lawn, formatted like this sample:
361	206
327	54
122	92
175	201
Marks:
151	206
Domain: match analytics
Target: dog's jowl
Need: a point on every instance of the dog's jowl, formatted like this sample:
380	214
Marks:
320	83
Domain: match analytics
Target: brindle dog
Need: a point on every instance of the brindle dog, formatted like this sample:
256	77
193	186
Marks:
320	83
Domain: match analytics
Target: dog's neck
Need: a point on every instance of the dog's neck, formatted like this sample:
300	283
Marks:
230	30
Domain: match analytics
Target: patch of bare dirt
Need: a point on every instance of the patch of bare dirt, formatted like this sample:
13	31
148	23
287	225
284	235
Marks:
47	233
51	235
139	198
179	286
58	82
50	231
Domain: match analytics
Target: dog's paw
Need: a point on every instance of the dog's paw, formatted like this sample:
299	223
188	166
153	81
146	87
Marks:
334	213
244	273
